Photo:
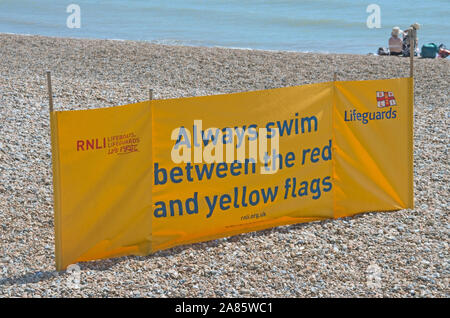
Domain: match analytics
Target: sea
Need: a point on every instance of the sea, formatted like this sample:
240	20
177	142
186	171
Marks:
327	26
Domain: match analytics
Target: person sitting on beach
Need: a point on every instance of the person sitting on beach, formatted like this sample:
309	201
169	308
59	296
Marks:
395	43
406	40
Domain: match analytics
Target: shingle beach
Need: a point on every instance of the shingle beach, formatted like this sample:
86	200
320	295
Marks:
392	254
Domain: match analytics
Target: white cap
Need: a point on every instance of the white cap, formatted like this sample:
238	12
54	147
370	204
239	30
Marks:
396	31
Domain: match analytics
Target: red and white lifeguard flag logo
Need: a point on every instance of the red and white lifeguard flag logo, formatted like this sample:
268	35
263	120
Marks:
386	99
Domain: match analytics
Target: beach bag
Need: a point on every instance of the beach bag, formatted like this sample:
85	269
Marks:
443	52
383	51
429	50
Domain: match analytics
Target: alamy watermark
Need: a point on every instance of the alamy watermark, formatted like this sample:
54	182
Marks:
374	19
227	145
73	281
74	19
373	273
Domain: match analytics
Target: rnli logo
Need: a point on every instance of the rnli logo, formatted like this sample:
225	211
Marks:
117	144
386	99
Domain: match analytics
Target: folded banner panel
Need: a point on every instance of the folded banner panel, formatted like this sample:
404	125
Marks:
134	179
102	182
230	198
373	164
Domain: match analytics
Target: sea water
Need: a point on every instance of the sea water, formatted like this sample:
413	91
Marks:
292	25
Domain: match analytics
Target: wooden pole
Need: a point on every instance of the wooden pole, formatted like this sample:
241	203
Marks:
412	43
50	93
334	76
150	93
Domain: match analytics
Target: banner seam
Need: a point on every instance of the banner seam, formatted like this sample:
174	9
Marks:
333	153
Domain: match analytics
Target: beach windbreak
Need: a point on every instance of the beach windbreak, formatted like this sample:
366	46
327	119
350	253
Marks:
135	179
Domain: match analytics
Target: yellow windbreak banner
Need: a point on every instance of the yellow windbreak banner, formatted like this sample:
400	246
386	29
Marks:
373	164
229	198
102	183
139	178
